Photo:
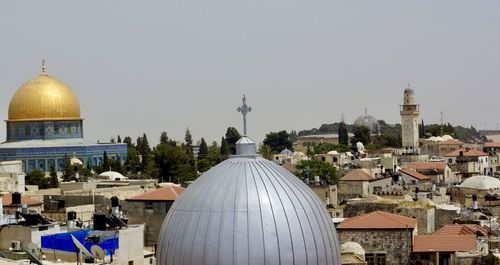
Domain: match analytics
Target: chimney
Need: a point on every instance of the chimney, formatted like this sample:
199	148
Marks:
474	201
416	193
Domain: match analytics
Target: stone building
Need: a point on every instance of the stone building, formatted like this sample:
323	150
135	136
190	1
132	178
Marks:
386	238
476	185
462	244
438	146
468	162
151	208
439	172
355	184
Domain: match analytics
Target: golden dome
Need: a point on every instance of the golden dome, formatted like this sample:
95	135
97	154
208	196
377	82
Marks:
44	98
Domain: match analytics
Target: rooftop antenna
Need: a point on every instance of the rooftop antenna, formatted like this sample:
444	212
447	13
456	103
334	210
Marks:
43	66
441	112
244	110
366	111
343	118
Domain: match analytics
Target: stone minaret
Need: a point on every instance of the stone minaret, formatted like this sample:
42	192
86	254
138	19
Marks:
409	121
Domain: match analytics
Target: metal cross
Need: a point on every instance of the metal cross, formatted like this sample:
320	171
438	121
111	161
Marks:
244	110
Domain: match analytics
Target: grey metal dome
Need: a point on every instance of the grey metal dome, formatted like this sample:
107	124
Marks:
248	210
368	121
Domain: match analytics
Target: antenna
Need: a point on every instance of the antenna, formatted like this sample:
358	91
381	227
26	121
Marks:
441	112
244	110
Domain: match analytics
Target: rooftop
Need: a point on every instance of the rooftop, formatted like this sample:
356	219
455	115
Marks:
492	145
169	193
357	175
444	243
7	200
414	174
461	229
427	165
466	153
378	220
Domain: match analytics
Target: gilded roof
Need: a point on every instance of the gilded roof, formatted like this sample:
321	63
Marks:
44	98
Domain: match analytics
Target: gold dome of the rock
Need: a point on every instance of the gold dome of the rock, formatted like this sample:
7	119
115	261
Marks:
44	98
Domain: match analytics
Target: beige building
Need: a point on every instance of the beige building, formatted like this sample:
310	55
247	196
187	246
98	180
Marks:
355	184
439	172
151	208
440	146
12	176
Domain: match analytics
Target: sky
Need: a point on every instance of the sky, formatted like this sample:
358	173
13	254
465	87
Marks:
152	66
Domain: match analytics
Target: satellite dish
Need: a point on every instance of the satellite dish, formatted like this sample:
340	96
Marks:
81	247
33	253
97	252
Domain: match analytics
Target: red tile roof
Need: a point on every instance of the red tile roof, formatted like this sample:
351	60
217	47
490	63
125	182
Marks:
427	165
378	220
444	243
414	174
470	153
169	193
461	229
492	144
7	200
357	175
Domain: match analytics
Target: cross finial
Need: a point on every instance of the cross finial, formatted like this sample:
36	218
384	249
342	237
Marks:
244	110
43	66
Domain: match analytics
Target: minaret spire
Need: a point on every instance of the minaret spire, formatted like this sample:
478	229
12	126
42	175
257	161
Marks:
43	66
244	110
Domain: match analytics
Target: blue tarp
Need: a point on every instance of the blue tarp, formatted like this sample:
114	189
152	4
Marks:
63	242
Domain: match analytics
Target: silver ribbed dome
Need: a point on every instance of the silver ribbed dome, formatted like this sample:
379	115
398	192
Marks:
248	210
368	121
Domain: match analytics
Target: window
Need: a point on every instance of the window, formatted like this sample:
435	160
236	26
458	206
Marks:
375	259
148	208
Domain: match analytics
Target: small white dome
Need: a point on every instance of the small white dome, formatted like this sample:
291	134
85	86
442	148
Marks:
447	137
481	183
352	247
332	153
113	175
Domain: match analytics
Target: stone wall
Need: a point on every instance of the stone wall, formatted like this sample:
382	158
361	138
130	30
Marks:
396	244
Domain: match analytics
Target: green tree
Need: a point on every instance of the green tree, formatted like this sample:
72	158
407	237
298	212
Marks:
361	134
214	154
343	134
164	138
68	170
54	181
232	136
119	139
266	152
188	138
225	149
278	141
203	151
311	168
105	162
128	141
37	177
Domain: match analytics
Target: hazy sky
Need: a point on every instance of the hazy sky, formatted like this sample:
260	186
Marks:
149	66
